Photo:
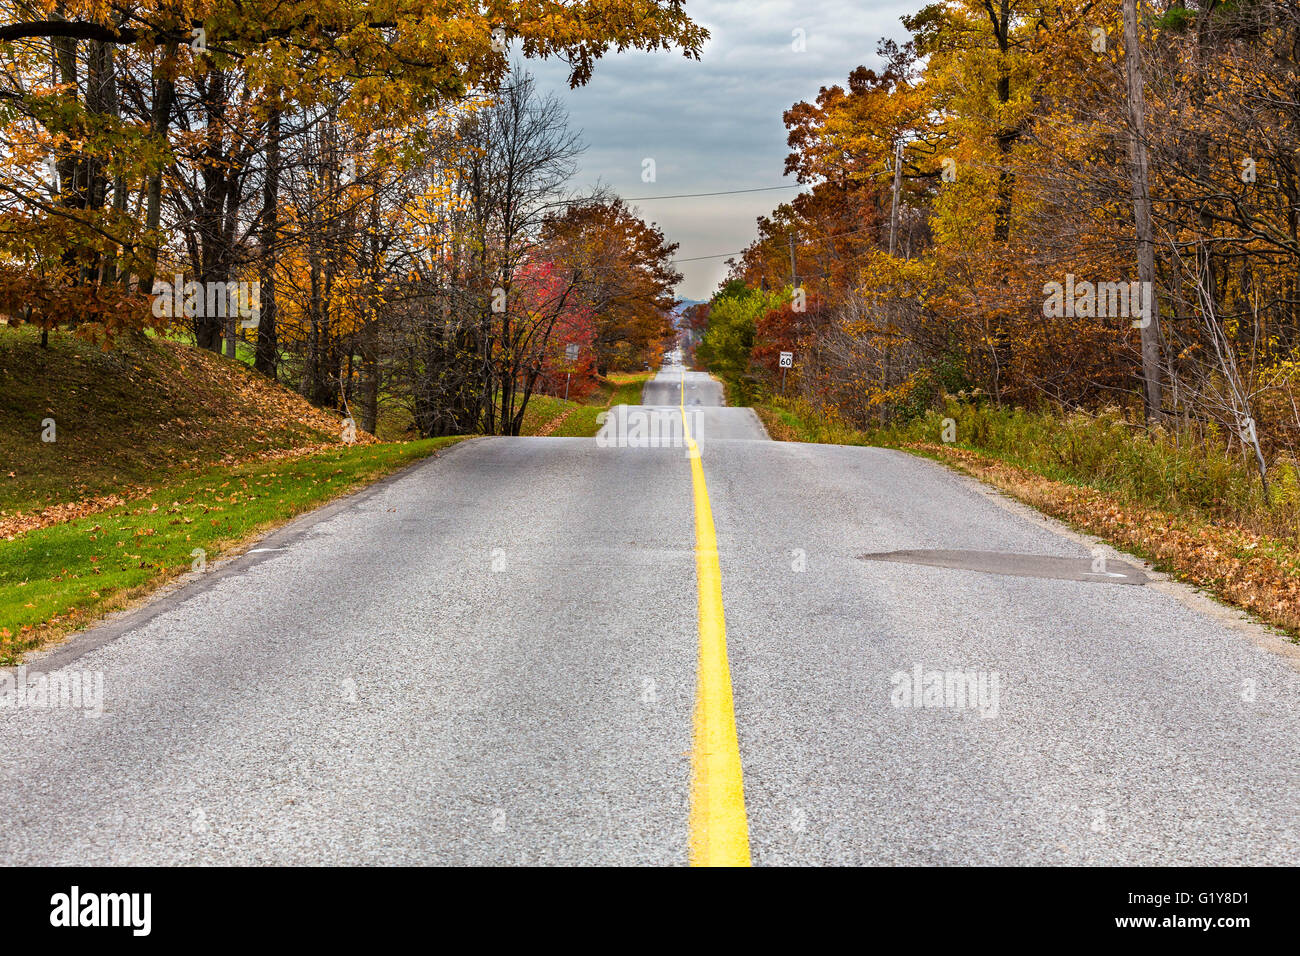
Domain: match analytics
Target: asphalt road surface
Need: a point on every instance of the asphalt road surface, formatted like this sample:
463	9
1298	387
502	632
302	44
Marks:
493	659
701	395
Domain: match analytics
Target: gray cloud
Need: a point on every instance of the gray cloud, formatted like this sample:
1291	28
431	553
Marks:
716	124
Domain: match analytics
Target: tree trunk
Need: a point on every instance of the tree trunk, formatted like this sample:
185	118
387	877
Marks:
164	98
1146	254
893	205
266	357
370	376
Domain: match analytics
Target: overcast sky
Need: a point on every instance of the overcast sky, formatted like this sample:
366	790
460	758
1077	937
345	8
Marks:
716	124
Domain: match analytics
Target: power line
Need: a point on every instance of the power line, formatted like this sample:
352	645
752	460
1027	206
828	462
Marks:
720	255
723	255
725	192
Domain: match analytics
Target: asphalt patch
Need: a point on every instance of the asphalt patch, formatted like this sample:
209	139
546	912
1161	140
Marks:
1097	570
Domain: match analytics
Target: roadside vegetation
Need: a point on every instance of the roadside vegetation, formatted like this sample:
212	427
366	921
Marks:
78	422
573	419
382	216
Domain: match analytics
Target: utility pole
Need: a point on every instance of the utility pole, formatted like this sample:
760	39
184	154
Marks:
898	185
1146	256
794	281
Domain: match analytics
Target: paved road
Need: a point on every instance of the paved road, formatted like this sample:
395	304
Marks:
701	395
492	659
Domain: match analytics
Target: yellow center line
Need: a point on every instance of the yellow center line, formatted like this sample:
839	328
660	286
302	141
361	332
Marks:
719	828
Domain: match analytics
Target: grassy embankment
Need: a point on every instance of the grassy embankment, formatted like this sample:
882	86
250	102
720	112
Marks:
548	415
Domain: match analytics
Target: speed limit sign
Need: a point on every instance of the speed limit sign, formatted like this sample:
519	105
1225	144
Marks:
787	360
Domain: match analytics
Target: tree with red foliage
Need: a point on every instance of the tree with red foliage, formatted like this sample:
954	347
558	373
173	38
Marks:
786	329
627	278
575	324
550	316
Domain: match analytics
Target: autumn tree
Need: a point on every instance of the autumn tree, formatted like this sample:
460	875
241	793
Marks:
99	103
627	278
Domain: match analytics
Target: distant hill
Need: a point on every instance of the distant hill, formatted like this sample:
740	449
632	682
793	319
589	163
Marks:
680	308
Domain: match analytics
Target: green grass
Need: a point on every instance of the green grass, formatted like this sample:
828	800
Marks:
581	423
541	410
159	449
618	388
245	352
802	422
131	415
627	387
57	578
